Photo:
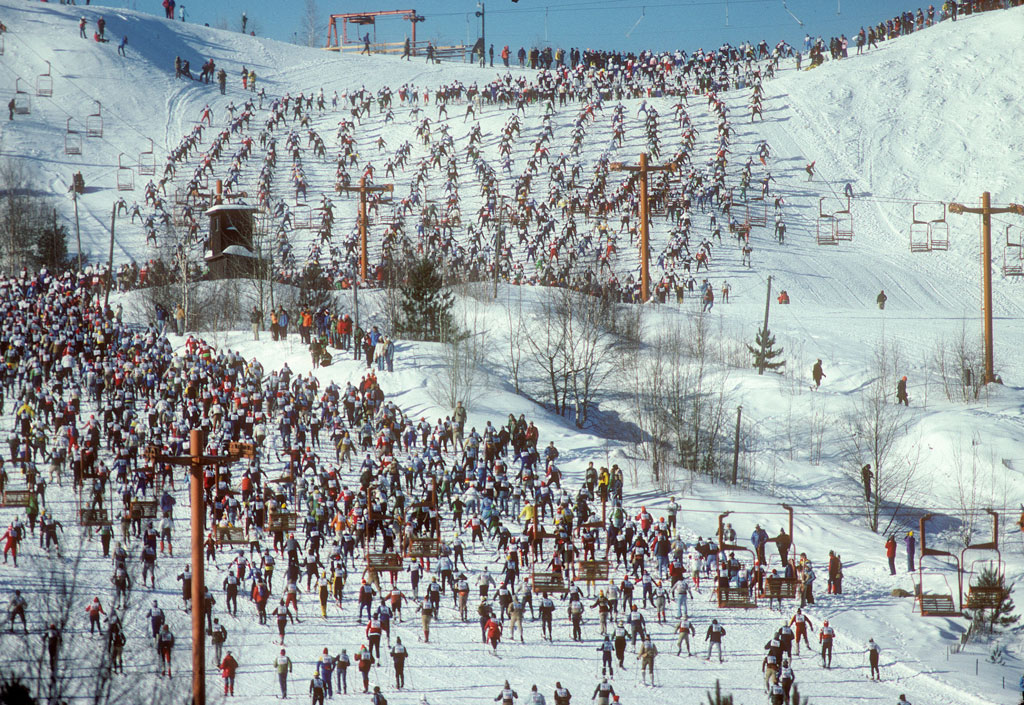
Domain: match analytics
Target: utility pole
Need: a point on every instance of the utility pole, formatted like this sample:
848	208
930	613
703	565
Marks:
986	212
736	446
363	189
196	461
355	323
645	249
764	332
483	33
110	257
78	232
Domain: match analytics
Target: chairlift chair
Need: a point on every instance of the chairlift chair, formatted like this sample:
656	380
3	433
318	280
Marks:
934	603
22	100
978	596
757	212
44	83
842	222
939	231
147	160
94	122
826	230
1013	253
125	176
72	140
93	517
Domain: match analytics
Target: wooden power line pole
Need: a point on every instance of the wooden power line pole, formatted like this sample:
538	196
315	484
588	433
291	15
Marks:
196	461
362	189
643	168
764	331
986	212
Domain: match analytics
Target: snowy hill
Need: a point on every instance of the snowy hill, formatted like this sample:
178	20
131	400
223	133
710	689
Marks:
901	124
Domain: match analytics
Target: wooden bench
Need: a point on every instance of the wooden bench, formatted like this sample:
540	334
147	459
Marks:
424	547
229	535
549	582
17	498
780	588
94	517
592	571
379	562
282	521
937	605
144	508
984	598
732	597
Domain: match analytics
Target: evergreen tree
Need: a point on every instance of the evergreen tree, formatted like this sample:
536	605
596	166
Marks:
770	351
718	698
426	303
989	579
51	248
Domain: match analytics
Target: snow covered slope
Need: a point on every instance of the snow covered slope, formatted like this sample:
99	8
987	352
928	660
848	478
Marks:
932	117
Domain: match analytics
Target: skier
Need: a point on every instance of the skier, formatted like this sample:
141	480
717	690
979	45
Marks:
817	373
714	638
901	391
16	609
316	688
604	692
801	624
646	657
283	666
507	696
874	651
881	299
866	475
398	655
164	647
826	636
810	171
685	631
228	666
606	648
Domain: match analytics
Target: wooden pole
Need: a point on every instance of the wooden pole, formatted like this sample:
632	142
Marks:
736	446
110	256
986	286
198	508
362	228
764	331
78	232
986	212
645	251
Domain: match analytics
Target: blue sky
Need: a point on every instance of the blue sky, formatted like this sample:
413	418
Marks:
603	24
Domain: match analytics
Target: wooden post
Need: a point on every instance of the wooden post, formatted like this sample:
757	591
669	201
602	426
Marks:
764	332
986	212
110	257
198	509
78	232
736	446
362	189
645	251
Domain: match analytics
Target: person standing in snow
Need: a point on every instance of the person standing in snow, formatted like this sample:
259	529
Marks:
818	374
714	638
874	651
901	392
881	299
911	544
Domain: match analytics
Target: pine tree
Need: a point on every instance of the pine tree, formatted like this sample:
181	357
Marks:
770	351
989	578
718	698
426	304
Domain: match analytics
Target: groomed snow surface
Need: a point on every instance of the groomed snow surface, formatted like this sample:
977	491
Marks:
932	117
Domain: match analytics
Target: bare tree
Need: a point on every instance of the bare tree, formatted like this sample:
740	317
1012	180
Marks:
545	343
588	346
960	367
312	24
874	431
463	354
516	335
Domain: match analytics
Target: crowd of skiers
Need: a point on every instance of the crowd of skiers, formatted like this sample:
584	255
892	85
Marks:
342	480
